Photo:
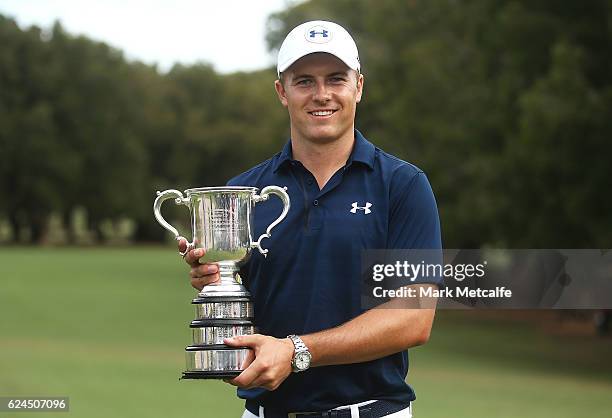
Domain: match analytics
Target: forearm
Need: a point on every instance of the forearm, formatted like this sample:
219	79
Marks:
376	333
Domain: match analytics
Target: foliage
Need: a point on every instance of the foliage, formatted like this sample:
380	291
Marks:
504	104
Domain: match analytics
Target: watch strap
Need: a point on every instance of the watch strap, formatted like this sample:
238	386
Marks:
300	350
298	343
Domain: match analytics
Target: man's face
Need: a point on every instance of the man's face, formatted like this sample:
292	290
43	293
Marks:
321	94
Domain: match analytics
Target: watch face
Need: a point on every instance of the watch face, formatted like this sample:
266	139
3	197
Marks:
302	360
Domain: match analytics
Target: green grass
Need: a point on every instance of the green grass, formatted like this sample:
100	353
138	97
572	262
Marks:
107	328
479	367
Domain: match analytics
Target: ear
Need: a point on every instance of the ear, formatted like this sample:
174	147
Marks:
281	92
360	81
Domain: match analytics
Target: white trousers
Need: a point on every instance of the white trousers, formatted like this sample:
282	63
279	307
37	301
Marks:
404	413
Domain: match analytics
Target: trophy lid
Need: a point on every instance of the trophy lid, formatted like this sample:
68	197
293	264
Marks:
221	189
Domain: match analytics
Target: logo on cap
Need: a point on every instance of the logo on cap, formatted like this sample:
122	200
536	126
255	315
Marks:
318	34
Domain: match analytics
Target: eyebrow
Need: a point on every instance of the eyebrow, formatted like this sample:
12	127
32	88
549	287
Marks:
337	73
334	74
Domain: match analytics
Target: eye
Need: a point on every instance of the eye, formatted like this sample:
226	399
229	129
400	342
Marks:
337	79
303	82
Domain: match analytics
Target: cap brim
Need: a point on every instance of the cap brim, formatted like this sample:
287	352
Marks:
284	66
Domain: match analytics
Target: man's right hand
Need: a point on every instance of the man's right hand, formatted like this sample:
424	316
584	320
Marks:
201	274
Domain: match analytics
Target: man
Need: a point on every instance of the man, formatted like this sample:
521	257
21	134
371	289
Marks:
346	196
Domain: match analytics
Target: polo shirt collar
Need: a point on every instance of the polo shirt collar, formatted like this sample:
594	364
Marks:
363	152
285	157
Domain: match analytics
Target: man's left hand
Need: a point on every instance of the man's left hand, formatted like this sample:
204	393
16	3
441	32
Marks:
268	364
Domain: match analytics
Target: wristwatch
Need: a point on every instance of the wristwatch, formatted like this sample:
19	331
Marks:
301	356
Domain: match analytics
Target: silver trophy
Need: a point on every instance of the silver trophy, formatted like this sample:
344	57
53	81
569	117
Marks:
221	224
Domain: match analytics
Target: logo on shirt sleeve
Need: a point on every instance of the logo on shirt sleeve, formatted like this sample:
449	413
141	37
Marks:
366	209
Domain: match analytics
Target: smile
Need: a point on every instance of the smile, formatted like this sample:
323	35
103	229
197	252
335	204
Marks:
322	113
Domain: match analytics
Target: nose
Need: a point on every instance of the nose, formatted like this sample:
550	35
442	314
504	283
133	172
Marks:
321	93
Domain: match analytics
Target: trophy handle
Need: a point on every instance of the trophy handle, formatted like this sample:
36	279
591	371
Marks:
179	200
262	197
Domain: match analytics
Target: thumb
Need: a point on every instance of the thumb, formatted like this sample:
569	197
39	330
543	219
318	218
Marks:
243	340
182	244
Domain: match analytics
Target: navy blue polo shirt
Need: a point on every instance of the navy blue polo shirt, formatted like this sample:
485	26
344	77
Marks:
310	279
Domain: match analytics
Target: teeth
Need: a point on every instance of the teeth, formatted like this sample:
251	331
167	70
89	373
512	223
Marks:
323	113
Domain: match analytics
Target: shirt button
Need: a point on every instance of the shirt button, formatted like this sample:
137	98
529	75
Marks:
316	202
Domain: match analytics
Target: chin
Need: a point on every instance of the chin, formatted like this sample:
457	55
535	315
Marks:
324	135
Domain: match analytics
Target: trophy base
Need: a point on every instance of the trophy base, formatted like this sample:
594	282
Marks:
212	331
229	374
216	361
223	307
222	289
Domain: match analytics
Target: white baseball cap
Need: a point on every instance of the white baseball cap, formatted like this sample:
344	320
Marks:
318	36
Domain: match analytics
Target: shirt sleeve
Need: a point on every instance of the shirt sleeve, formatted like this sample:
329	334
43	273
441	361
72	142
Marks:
414	224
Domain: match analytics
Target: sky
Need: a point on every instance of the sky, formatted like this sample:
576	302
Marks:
230	34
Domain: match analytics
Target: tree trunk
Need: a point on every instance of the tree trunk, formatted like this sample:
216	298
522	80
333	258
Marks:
38	228
94	227
13	219
67	221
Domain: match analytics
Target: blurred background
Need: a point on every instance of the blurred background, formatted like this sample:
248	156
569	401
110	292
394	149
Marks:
506	105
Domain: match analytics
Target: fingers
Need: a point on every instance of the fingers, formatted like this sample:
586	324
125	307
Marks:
199	282
261	373
268	363
248	360
182	245
203	274
245	364
202	270
251	369
192	257
251	340
247	377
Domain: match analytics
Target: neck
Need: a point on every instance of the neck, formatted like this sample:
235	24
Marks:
323	159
